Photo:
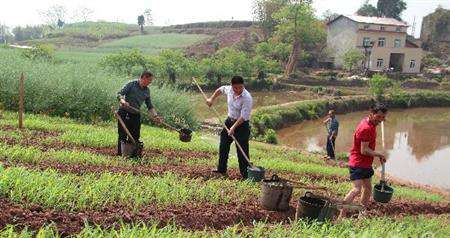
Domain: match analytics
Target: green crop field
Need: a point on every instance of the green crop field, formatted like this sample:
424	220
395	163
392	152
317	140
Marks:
64	175
153	43
60	176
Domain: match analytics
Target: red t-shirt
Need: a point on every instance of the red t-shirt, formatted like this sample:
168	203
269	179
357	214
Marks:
365	132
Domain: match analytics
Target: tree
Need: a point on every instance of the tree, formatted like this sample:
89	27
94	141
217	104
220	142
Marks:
262	13
83	14
225	63
141	22
124	62
60	23
175	64
54	14
368	10
148	17
297	25
28	32
5	35
391	8
352	57
328	15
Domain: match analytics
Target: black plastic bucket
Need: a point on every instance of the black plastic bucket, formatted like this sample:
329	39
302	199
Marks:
275	194
255	173
310	206
185	135
383	195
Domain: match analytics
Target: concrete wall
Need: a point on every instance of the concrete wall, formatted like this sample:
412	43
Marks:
374	36
342	36
385	54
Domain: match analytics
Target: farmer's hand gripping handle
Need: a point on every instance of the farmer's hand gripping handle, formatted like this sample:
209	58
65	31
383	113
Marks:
224	125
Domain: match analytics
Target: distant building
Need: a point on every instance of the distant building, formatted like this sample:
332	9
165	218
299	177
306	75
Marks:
391	48
435	32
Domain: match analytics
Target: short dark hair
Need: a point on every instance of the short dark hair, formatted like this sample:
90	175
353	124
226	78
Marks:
237	80
378	107
146	73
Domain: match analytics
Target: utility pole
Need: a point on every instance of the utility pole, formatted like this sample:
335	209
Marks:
413	28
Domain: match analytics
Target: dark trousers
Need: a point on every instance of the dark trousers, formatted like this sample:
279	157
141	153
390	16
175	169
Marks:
242	135
133	123
331	145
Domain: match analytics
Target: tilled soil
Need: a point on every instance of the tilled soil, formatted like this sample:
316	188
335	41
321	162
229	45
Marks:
190	171
38	136
195	216
401	208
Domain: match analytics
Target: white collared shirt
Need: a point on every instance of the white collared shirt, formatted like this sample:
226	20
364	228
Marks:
240	105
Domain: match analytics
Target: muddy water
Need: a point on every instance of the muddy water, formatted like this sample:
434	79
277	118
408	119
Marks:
417	142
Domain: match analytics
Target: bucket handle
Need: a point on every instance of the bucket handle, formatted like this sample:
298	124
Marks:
275	178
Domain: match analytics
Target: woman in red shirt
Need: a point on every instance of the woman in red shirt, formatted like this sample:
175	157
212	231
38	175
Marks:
362	154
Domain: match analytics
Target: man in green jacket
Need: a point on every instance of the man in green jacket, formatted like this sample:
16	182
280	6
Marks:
131	97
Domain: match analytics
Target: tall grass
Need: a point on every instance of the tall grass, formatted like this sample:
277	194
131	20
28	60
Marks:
78	90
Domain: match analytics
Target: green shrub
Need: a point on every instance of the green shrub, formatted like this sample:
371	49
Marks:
271	137
124	62
352	58
378	84
40	52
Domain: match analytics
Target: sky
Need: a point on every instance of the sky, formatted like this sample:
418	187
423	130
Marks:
168	12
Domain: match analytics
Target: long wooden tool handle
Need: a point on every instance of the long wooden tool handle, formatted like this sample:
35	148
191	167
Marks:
169	126
163	123
383	169
223	123
123	125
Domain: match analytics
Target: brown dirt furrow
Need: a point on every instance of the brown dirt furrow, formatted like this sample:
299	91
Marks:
39	133
196	216
401	208
37	141
190	171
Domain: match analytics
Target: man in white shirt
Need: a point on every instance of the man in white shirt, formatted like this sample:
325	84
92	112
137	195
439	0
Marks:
240	104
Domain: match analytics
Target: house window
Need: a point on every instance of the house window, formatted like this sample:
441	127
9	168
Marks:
366	41
382	28
366	27
379	63
412	64
381	41
398	29
397	43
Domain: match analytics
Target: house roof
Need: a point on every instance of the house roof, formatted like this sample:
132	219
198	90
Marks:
372	20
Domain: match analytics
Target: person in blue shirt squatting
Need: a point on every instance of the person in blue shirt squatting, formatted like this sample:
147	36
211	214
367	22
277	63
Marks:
240	105
131	97
332	125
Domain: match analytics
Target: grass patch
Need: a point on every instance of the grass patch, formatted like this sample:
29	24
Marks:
374	227
94	191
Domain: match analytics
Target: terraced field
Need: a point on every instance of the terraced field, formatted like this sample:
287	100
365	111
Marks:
60	178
